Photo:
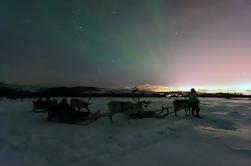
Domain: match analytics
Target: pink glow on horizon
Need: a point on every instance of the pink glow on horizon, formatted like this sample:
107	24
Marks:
216	62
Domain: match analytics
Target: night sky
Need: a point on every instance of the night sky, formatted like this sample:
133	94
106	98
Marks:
116	43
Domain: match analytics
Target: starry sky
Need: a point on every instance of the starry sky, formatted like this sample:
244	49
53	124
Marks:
117	43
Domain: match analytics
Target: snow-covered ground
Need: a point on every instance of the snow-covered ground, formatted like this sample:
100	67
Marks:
222	137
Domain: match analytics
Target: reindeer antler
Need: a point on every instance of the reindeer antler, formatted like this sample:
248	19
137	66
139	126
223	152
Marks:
135	89
137	94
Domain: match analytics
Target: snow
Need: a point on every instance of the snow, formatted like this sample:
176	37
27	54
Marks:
222	137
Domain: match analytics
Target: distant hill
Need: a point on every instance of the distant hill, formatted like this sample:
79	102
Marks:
20	91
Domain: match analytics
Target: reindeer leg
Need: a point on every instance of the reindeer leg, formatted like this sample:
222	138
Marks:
110	117
188	111
175	112
50	114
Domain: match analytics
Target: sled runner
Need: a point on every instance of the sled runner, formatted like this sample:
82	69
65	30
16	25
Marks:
150	114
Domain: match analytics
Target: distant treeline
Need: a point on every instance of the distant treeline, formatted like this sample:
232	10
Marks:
66	92
12	92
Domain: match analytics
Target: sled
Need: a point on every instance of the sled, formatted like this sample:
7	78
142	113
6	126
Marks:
41	105
71	116
150	114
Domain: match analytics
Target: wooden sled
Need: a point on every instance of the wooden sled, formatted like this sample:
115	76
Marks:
150	114
71	116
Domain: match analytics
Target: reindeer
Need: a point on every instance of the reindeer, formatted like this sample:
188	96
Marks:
77	103
181	104
63	112
127	107
67	115
42	104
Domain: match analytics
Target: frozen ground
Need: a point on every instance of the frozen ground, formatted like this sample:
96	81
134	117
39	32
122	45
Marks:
222	137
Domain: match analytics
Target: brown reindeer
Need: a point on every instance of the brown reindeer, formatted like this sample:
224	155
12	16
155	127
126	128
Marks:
77	103
182	104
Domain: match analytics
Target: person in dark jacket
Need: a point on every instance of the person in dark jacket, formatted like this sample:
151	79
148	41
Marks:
194	103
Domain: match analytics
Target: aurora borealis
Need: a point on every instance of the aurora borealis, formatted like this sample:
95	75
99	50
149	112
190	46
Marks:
114	43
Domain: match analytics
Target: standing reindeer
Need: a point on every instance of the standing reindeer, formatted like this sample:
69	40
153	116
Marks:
77	103
127	107
182	104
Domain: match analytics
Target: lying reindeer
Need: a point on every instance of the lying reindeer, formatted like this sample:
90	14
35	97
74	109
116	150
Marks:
127	108
69	115
77	103
182	104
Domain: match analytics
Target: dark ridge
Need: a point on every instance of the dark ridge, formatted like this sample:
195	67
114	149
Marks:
12	91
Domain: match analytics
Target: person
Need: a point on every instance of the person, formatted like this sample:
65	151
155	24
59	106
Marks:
194	102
